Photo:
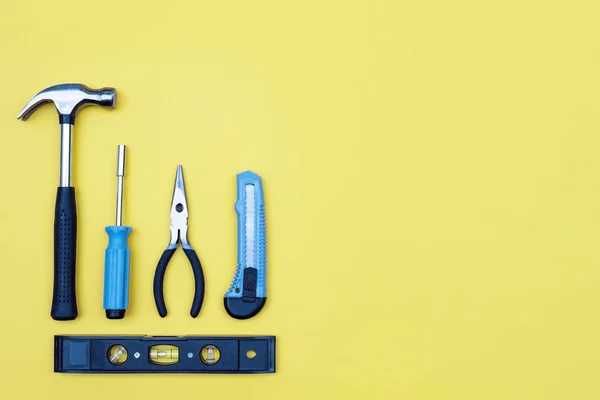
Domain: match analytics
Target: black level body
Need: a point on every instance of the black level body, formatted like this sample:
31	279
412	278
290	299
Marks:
90	354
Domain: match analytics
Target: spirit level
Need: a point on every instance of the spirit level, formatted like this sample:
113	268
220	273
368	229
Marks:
164	354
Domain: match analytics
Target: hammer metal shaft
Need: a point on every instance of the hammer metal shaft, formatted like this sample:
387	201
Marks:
65	154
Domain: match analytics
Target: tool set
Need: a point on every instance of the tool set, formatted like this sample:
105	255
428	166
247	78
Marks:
244	299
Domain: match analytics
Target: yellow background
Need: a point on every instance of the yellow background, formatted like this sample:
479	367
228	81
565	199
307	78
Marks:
432	180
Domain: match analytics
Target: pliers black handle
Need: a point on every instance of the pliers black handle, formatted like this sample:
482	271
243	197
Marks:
159	278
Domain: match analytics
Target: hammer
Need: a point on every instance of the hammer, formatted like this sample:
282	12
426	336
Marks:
68	100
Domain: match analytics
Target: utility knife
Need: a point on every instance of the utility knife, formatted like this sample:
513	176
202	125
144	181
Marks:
247	293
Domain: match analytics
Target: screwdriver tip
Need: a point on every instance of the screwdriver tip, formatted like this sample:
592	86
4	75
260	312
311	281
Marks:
121	160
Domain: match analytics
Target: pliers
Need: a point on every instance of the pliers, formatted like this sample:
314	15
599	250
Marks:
179	227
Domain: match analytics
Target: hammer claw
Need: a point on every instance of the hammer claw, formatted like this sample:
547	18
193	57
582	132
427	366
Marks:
36	102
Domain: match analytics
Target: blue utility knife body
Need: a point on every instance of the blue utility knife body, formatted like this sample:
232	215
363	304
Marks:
248	291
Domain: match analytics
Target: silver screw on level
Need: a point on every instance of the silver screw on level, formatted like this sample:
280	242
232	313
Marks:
190	355
136	354
120	177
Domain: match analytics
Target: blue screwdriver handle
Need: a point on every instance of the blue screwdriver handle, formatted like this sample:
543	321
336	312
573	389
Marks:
247	293
116	272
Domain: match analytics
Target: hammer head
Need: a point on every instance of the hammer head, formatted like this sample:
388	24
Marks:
68	99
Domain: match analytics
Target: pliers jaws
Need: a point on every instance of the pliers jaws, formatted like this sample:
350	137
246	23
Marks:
179	213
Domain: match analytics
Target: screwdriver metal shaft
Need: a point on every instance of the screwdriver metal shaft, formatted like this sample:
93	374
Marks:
120	176
116	257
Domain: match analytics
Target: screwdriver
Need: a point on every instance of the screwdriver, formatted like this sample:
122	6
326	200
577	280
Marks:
116	256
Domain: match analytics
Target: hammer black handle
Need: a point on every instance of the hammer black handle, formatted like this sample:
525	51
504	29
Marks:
64	303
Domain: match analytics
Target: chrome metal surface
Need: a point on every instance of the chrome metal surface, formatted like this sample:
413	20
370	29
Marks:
68	98
120	178
65	154
179	210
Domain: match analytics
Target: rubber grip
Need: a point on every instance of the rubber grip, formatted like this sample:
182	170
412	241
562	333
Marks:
159	279
116	272
64	302
198	281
